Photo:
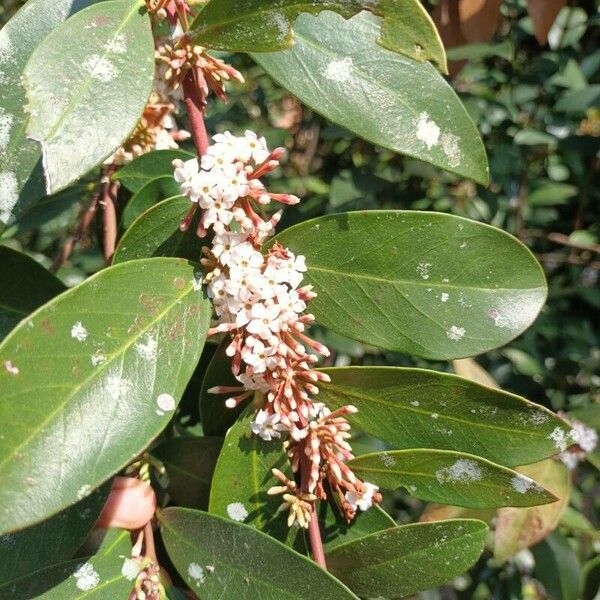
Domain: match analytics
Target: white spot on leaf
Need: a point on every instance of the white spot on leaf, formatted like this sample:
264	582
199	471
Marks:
6	122
10	368
427	131
196	572
387	460
339	70
147	350
9	195
560	439
118	45
455	333
522	484
463	470
444	297
130	569
451	149
79	332
86	577
237	511
423	269
84	491
100	68
166	402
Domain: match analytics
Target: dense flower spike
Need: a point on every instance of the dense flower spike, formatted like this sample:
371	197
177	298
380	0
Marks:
260	303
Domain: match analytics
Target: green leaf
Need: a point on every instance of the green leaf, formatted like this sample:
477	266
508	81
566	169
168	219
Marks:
429	284
141	171
109	575
101	369
153	192
450	477
87	85
222	559
50	542
26	285
262	26
21	175
216	418
157	233
557	567
190	463
579	101
242	478
416	408
403	560
551	194
590	575
505	49
336	68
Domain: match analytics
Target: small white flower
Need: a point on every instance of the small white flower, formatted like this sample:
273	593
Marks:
267	426
223	245
363	501
264	320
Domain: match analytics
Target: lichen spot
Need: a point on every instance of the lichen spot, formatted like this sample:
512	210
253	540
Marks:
423	270
559	438
166	402
237	511
9	195
196	572
522	484
84	491
79	332
130	569
463	470
10	368
86	577
427	131
455	333
387	460
339	70
100	68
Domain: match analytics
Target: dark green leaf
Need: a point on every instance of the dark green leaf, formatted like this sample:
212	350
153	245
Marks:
153	192
190	463
25	285
403	560
550	194
141	171
157	233
21	176
591	579
580	100
264	26
504	50
416	408
87	85
222	559
429	284
451	478
336	68
101	369
50	542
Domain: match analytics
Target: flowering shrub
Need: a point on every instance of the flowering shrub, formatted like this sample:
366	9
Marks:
92	377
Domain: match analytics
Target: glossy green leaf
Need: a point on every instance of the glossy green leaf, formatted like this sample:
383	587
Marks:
141	171
21	174
25	285
86	96
52	541
222	559
156	233
108	575
189	463
337	68
429	284
403	560
450	477
243	476
153	192
264	26
215	416
101	369
416	408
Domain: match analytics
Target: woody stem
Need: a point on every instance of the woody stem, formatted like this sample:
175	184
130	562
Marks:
314	532
194	103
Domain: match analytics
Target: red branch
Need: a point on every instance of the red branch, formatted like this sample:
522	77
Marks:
195	103
314	532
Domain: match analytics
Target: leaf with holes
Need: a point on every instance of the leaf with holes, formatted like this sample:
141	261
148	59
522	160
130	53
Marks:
450	477
417	408
81	114
222	559
100	371
429	284
337	68
26	285
264	26
409	558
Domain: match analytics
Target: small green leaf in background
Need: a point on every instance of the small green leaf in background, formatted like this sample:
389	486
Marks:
550	194
156	233
101	369
590	576
429	284
107	575
52	541
409	558
450	477
141	171
417	408
189	463
25	286
262	26
87	85
21	175
243	476
222	559
387	99
153	192
216	418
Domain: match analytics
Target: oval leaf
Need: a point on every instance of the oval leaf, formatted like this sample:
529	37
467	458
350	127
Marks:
261	26
26	285
153	192
429	284
450	477
385	98
87	85
157	233
21	175
101	369
403	560
222	559
417	408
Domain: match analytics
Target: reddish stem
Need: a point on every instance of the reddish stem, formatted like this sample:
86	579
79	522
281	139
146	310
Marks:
109	242
314	532
195	103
